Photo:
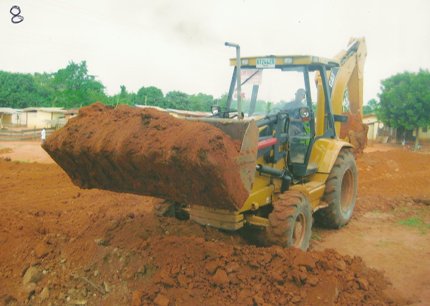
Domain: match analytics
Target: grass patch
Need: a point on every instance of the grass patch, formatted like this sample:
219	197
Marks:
416	222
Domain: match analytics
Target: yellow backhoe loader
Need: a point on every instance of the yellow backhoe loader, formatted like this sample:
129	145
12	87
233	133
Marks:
292	162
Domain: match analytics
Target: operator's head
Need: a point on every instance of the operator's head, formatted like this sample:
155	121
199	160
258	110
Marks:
300	94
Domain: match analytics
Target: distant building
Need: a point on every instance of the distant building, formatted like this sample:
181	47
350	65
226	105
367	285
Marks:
9	117
374	125
44	117
423	134
377	131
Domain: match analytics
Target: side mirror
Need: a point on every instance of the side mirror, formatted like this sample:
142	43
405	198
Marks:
305	114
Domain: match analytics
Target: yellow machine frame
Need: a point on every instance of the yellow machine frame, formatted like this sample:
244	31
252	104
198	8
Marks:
266	190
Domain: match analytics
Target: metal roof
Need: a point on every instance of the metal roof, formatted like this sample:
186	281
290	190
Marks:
45	109
8	110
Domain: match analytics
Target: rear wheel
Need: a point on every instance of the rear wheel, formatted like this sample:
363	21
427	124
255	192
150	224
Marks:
340	192
290	222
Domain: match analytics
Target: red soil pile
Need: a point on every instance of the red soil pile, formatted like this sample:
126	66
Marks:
149	152
65	246
208	273
355	131
392	178
397	172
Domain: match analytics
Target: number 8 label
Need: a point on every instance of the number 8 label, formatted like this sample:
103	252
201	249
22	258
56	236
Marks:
16	17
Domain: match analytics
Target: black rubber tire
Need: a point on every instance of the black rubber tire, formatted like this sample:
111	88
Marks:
291	217
340	192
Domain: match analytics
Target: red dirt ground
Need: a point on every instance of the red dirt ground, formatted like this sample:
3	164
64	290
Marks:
390	228
64	245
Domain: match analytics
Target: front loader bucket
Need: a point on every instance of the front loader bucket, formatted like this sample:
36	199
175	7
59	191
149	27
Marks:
205	162
245	133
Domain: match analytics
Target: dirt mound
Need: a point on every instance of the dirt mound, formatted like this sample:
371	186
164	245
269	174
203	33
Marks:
391	169
355	131
63	245
201	272
392	178
149	152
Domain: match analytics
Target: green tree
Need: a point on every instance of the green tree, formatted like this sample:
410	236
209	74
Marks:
177	100
221	101
18	90
150	96
74	87
261	106
201	102
405	101
370	107
44	84
126	97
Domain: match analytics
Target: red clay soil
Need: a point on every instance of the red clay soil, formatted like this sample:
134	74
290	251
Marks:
149	152
64	245
392	178
209	273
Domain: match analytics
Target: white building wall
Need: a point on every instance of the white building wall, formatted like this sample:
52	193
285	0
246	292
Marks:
424	134
41	119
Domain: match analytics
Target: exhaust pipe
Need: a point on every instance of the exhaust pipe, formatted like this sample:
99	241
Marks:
238	80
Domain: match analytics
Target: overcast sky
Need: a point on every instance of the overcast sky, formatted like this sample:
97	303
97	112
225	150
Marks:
179	45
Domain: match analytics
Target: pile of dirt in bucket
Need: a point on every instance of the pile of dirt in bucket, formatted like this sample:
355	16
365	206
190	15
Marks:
149	152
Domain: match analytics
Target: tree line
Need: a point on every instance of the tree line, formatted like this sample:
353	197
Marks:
404	100
74	87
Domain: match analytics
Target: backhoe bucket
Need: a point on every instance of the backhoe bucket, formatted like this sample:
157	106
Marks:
205	162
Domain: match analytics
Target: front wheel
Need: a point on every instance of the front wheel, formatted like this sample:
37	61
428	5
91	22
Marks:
290	222
340	192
